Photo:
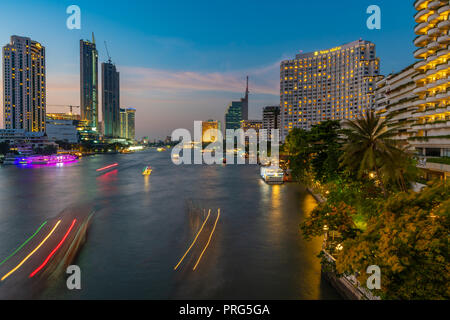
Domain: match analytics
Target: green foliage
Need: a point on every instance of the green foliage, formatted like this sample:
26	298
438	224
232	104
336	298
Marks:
443	160
316	151
369	146
409	241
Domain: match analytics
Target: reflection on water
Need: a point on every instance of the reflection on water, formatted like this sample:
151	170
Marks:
144	224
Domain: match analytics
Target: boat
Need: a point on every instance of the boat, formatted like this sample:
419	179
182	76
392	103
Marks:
45	159
160	149
147	171
272	175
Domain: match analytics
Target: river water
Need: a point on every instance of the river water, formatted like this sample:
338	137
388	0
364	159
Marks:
142	226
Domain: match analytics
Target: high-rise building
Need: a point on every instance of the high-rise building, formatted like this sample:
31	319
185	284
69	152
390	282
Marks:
432	117
237	111
233	116
271	117
110	100
24	85
123	124
131	120
251	124
395	101
333	84
89	83
214	127
244	103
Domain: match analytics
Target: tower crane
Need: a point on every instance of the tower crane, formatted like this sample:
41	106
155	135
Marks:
64	105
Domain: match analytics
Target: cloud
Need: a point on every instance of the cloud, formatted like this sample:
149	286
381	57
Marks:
168	99
134	79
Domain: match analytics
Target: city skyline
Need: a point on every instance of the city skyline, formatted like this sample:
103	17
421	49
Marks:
167	70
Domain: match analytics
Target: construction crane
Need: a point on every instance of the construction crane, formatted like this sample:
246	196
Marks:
107	52
64	105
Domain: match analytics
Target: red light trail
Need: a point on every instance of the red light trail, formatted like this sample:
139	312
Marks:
54	250
107	167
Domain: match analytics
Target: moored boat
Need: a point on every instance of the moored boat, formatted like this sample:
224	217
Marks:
272	175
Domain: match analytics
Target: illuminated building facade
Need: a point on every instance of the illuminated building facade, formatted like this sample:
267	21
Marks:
89	83
212	135
395	100
432	117
271	119
333	84
131	123
110	100
233	116
237	111
123	123
251	124
24	85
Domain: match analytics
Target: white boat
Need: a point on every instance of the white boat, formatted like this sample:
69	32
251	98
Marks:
272	175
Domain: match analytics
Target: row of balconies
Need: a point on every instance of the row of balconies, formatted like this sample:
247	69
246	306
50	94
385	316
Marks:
430	111
440	124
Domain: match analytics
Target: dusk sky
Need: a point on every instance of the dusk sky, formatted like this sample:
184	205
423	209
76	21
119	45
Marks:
181	61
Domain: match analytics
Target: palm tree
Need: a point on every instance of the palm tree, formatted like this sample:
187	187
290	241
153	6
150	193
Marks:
369	147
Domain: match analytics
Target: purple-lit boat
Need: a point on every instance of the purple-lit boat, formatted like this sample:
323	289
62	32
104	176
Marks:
45	160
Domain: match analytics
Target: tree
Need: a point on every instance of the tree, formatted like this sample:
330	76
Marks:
325	150
409	241
369	146
314	152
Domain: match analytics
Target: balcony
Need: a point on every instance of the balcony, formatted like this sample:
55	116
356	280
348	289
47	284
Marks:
433	46
420	4
433	18
421	15
445	39
441	124
434	32
420	90
444	25
420	53
434	4
421	28
421	41
419	65
444	9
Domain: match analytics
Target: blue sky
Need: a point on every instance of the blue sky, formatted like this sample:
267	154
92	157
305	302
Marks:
182	61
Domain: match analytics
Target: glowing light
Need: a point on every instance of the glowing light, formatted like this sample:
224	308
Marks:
209	240
32	252
132	148
107	167
193	242
23	244
54	250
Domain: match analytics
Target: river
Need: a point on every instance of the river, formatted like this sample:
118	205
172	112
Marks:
142	226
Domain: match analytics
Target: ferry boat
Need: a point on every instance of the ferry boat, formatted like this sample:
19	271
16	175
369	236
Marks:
272	175
147	171
45	160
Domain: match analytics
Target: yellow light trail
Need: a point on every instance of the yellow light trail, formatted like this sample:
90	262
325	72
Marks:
193	242
32	252
210	236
